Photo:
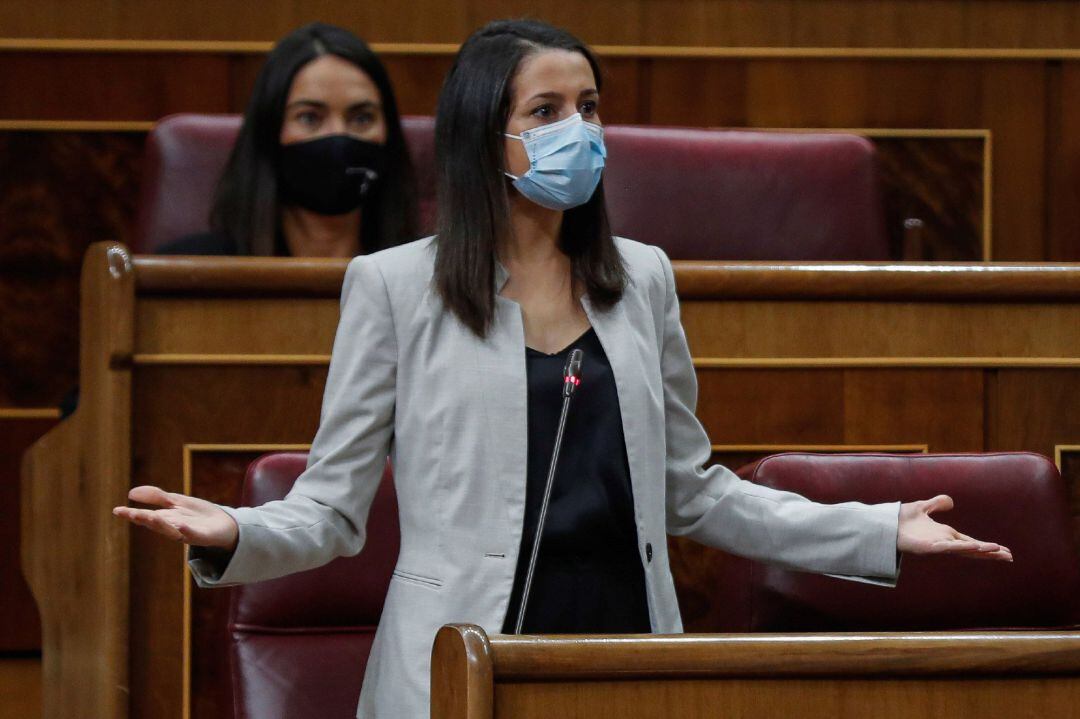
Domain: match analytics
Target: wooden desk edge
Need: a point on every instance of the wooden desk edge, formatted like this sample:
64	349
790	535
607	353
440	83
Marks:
534	658
699	280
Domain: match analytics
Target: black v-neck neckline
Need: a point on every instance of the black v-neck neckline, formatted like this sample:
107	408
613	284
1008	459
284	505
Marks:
564	350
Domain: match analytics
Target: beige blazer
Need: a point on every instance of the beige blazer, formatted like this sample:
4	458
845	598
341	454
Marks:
408	379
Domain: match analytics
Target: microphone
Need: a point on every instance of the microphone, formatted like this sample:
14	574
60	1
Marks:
571	380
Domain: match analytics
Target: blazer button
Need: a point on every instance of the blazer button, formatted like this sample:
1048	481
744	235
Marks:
648	552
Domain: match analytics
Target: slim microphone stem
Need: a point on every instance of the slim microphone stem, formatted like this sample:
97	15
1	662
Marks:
568	394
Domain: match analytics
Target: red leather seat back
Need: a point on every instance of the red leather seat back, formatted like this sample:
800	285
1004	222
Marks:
699	194
182	162
1017	499
734	195
300	643
185	155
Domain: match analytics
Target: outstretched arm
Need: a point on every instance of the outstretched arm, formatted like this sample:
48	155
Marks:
325	513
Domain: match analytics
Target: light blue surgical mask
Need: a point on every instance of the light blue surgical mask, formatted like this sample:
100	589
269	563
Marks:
566	159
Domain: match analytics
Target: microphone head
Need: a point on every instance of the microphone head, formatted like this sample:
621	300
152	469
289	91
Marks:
573	364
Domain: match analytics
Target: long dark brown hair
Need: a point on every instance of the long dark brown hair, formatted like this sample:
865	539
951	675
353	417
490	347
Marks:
474	207
246	205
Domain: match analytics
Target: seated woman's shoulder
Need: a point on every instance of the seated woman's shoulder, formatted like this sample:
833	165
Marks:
202	243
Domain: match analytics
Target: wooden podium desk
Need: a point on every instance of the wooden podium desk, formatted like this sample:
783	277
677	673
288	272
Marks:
825	676
190	368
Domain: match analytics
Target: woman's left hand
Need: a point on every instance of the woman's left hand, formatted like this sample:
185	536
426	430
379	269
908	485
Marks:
919	534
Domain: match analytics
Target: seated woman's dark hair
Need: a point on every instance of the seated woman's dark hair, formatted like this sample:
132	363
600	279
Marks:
246	203
474	207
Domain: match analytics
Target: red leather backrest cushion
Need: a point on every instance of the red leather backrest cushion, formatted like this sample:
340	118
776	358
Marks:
185	155
699	194
300	643
347	592
735	195
1017	499
182	162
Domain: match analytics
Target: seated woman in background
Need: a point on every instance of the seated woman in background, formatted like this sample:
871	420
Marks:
320	167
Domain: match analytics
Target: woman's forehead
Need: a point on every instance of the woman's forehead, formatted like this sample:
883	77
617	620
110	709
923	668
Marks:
565	72
330	76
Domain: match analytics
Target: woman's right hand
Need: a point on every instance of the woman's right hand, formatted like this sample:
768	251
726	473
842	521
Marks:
186	519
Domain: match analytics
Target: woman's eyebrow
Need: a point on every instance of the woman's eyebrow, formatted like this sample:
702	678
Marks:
363	105
549	95
311	103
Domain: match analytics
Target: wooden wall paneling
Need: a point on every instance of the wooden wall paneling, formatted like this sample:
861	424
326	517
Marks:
625	93
942	408
761	406
775	23
60	191
177	406
111	86
1035	411
1014	109
20	626
386	20
292	327
20	688
417	81
244	68
1063	163
698	93
598	22
767	333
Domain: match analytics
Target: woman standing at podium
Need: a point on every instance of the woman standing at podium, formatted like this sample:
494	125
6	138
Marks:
320	167
448	357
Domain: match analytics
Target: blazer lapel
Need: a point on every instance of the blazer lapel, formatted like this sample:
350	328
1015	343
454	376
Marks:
503	386
616	336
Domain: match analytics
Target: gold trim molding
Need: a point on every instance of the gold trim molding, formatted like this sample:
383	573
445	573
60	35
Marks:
17	413
1061	449
229	359
244	47
151	360
776	448
76	126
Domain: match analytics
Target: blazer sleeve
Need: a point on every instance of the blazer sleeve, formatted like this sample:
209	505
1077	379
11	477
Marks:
715	507
325	514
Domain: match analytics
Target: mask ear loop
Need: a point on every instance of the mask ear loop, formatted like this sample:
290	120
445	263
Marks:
513	137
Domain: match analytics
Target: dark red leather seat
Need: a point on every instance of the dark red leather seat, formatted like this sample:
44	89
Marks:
699	194
734	195
1018	499
300	643
185	155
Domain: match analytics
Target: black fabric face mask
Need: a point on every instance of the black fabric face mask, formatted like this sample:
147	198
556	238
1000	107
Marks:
329	175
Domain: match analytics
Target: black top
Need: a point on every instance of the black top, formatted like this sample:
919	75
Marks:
589	576
203	243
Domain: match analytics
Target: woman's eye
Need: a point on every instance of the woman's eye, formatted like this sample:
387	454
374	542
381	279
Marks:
544	112
588	109
363	119
308	118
